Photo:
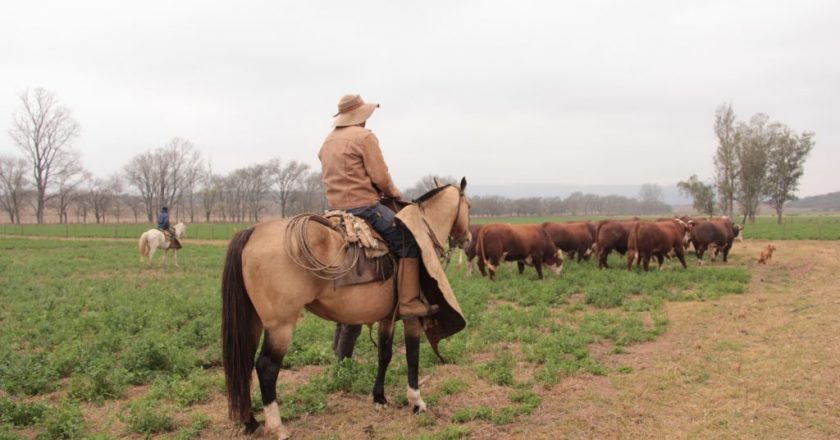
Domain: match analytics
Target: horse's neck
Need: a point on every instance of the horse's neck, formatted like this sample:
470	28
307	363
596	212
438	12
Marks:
440	214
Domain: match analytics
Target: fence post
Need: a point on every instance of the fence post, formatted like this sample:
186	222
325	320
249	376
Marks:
819	228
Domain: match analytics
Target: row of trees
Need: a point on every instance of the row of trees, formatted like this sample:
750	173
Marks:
650	201
49	176
756	161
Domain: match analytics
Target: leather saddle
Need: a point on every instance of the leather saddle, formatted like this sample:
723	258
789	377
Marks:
174	243
373	260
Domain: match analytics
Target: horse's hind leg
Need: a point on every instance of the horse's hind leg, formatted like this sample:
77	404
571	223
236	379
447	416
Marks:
275	344
413	329
386	350
344	340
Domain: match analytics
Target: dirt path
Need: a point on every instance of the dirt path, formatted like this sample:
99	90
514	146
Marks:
765	364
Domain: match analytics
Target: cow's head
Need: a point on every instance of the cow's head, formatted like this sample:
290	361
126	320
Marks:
738	229
687	228
555	262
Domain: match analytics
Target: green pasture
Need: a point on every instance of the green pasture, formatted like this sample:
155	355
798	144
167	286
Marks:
199	231
84	324
794	227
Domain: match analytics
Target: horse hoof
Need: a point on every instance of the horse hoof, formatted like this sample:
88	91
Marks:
380	406
420	408
253	427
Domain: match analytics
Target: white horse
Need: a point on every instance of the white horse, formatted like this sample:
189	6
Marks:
153	239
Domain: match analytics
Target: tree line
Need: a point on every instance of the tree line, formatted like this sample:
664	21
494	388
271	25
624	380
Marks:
756	161
50	177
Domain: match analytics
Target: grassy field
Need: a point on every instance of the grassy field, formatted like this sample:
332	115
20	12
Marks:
795	227
98	345
200	231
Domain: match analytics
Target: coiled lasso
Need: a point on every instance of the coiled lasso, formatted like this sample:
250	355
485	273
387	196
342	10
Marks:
297	232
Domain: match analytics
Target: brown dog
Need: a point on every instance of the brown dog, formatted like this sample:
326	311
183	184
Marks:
766	254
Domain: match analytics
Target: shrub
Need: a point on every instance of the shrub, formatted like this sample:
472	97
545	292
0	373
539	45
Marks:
498	370
64	422
23	414
150	417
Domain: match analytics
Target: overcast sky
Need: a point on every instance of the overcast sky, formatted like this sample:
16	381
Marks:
589	92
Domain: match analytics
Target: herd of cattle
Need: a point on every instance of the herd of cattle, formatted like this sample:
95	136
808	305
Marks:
640	240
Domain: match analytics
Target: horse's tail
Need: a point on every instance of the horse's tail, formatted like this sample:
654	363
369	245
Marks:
143	246
239	337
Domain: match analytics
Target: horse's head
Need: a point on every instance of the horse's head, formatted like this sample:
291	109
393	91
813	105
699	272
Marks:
450	208
180	230
461	227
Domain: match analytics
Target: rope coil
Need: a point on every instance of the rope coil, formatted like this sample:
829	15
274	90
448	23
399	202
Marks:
297	235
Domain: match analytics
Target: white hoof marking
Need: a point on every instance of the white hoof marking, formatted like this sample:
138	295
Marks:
414	400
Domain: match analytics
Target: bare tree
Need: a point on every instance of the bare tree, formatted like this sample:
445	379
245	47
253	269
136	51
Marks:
193	174
426	184
651	193
313	193
142	174
44	131
159	176
726	157
234	195
786	160
136	204
754	141
287	179
212	188
257	184
13	185
99	198
702	194
66	186
114	185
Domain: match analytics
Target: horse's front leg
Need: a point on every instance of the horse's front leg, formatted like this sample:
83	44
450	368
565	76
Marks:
175	257
386	349
413	329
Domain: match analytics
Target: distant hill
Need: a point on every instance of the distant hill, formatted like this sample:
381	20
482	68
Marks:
823	202
520	190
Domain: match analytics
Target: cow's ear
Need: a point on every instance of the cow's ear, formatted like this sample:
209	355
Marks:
437	182
463	184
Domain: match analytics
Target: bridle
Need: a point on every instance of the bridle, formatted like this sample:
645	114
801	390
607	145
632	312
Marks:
444	253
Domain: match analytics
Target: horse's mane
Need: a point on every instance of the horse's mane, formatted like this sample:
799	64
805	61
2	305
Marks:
431	193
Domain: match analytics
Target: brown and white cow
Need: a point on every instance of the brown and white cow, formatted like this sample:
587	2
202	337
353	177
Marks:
573	238
612	235
525	244
718	233
657	239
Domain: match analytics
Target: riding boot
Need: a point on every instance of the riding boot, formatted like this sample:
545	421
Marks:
411	306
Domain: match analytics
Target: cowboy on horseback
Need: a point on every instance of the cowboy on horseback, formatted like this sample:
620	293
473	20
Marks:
356	179
164	226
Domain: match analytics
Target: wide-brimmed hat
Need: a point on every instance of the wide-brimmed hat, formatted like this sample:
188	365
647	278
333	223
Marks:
353	110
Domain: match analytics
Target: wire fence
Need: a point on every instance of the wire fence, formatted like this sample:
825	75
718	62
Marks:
200	231
794	227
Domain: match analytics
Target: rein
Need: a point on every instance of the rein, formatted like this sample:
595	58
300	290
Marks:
443	253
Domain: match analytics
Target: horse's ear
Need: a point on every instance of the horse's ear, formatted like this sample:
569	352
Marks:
437	181
463	184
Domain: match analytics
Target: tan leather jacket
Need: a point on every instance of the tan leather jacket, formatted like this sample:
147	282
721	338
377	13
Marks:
353	169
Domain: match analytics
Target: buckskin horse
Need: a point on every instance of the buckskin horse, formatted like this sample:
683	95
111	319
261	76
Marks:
154	239
264	292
